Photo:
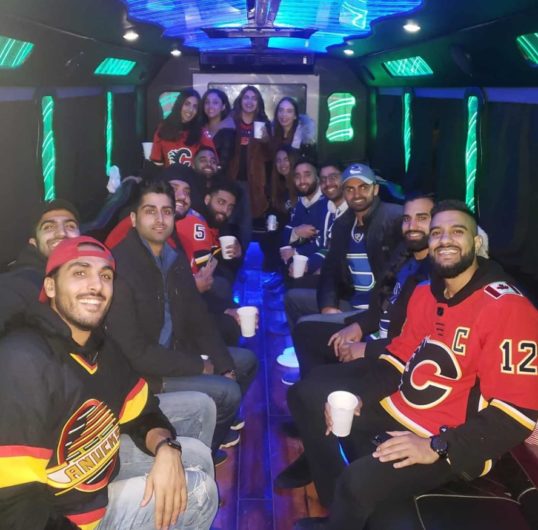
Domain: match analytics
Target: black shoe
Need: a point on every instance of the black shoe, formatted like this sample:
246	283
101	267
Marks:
311	523
296	475
289	428
219	457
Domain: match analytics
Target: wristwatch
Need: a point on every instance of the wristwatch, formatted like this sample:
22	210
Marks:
438	444
170	442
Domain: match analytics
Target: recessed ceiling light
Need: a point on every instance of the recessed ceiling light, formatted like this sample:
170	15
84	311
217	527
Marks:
175	52
411	27
349	52
130	35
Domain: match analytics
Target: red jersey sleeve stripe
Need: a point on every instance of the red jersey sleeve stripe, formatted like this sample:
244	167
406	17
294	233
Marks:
134	402
88	520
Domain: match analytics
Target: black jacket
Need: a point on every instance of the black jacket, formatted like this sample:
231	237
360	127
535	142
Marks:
383	233
63	404
136	315
20	286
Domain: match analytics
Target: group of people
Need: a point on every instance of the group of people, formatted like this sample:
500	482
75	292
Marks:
122	376
402	307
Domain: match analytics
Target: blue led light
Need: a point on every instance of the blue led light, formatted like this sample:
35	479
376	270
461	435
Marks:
335	21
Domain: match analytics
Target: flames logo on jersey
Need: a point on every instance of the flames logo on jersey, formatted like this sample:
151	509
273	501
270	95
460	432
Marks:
182	155
87	449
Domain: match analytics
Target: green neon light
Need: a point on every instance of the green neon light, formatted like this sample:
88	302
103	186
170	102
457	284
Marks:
48	149
410	67
471	152
407	128
113	66
166	101
109	129
340	107
13	52
528	45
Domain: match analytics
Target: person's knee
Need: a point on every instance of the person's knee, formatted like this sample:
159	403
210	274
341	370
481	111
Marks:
227	396
246	362
203	500
196	455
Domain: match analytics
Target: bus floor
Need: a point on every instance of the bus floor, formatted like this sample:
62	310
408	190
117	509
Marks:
247	497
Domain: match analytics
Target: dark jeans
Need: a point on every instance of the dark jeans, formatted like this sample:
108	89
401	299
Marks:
353	491
225	392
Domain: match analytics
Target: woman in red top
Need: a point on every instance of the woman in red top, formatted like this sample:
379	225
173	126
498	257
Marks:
181	134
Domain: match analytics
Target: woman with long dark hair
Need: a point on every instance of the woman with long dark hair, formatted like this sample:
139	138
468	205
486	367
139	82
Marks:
294	129
180	135
248	165
283	193
218	121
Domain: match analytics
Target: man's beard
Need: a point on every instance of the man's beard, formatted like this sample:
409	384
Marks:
451	271
213	221
416	245
310	191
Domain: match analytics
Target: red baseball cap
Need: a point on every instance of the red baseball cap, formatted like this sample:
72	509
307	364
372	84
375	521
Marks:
69	249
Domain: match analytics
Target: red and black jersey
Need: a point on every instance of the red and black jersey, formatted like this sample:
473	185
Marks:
177	151
486	339
63	407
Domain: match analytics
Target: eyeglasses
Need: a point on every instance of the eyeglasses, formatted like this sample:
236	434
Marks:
333	177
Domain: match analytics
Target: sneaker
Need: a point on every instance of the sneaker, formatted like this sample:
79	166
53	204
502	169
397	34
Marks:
296	475
291	378
238	424
219	457
288	358
232	438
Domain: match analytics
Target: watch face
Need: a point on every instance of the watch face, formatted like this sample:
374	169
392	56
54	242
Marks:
439	445
175	444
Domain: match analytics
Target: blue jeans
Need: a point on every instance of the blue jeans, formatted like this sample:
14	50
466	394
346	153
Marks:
126	491
225	392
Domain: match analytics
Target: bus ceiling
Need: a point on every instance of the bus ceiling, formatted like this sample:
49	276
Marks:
387	43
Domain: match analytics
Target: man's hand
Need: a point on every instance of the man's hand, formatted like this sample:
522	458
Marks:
204	277
232	251
328	417
166	481
209	369
351	333
330	310
405	449
232	311
305	231
349	351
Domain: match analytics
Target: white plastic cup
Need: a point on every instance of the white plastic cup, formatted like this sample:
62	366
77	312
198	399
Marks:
299	265
286	253
147	147
272	223
226	241
342	405
247	318
258	129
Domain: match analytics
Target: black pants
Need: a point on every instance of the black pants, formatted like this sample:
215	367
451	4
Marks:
353	491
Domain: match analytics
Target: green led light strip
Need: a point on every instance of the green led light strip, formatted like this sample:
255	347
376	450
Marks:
113	66
109	129
13	52
471	152
340	107
407	128
48	150
166	101
528	45
409	67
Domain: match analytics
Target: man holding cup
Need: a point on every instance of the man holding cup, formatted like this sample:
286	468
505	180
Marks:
417	424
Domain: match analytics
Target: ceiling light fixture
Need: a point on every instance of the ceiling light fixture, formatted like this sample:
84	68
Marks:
174	52
349	52
411	27
130	35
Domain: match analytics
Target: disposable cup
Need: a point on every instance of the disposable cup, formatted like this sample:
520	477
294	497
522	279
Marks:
258	129
299	265
342	405
286	253
147	146
272	223
247	318
226	241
